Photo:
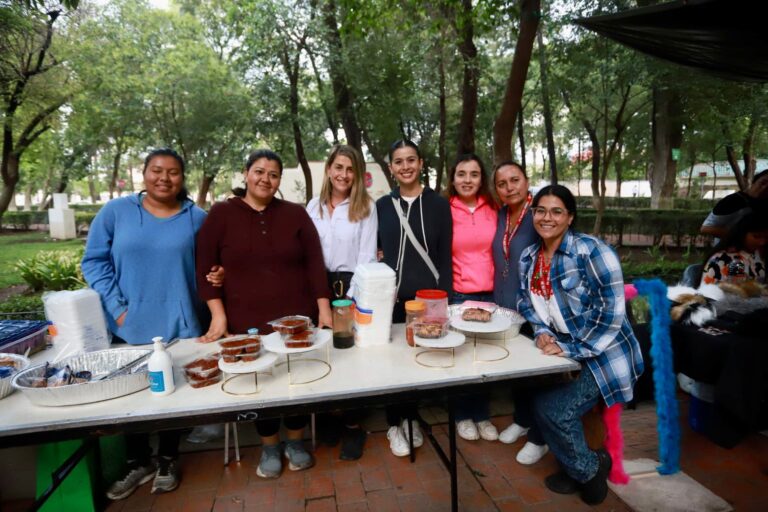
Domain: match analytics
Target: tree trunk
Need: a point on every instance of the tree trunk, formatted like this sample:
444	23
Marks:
468	51
329	118
578	169
292	70
749	160
115	169
547	111
441	150
28	192
10	165
521	137
378	157
618	166
667	134
341	92
205	185
596	161
504	126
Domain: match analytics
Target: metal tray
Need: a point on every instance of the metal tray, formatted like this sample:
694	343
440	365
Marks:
100	364
5	384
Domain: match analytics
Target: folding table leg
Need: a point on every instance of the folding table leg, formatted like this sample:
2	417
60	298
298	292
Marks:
452	449
237	442
226	444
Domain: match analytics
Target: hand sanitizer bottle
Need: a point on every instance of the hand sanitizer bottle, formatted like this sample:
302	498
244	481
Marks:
160	366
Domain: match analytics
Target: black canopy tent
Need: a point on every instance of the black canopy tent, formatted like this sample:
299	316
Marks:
728	38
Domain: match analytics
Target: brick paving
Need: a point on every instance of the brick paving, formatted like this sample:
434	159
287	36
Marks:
489	477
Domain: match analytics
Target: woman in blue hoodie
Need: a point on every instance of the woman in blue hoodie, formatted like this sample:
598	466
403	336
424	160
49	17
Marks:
140	257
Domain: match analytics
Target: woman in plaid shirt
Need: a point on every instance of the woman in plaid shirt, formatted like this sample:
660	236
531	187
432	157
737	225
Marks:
572	293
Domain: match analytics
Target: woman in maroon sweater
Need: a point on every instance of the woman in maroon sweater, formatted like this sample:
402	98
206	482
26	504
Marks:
275	267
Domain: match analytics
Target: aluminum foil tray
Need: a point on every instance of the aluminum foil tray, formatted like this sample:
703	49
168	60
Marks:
100	364
5	384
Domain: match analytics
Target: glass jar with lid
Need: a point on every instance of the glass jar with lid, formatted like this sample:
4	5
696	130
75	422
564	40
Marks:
414	311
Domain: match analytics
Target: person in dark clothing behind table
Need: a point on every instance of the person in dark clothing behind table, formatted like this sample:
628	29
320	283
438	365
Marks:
733	207
274	267
429	217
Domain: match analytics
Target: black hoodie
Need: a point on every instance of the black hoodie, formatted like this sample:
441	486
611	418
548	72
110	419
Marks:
436	226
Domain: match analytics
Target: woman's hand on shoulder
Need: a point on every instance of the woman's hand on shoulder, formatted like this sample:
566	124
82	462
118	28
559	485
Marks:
216	276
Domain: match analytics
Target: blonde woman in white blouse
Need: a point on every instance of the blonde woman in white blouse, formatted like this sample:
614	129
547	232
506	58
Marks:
345	218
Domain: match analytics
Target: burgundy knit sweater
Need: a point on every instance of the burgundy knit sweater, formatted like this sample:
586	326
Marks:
273	262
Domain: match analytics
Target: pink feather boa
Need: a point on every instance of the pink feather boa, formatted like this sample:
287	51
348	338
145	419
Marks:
614	443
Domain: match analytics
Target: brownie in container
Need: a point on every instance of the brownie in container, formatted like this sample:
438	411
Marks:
303	339
292	324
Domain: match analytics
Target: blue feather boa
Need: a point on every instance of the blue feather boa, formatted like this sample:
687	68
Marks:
668	423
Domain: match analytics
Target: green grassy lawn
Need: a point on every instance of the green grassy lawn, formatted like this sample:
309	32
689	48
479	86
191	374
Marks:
15	246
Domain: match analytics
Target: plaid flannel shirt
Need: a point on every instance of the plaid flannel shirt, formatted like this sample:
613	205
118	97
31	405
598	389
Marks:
588	286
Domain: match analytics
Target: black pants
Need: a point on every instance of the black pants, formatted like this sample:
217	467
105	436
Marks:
270	427
137	446
338	282
399	412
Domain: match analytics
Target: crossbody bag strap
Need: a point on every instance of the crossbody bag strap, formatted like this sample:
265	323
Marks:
412	237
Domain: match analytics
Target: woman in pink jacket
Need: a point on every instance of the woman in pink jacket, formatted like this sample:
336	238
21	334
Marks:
473	211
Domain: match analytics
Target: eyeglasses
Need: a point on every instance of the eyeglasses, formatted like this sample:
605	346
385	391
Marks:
555	213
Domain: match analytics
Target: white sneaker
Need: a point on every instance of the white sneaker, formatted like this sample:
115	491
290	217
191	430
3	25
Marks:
467	430
397	442
418	438
531	453
512	433
487	430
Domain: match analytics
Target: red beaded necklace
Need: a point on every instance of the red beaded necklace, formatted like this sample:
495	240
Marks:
540	282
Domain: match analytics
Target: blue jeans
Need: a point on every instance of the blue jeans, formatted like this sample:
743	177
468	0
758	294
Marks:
558	411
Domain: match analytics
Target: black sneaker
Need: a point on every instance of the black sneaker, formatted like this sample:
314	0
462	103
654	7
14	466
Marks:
594	491
561	483
137	475
167	477
352	443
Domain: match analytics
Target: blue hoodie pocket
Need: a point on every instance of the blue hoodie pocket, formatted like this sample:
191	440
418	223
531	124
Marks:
149	318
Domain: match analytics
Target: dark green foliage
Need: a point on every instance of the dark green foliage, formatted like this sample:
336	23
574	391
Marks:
52	270
22	307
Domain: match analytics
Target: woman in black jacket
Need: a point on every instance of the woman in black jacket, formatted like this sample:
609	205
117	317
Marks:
429	217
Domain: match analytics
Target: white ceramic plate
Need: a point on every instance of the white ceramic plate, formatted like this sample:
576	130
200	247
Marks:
450	340
274	342
498	323
266	359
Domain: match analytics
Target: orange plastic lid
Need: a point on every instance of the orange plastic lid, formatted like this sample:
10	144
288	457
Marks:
431	294
415	306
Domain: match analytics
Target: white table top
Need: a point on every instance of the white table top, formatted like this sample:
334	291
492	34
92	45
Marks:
356	372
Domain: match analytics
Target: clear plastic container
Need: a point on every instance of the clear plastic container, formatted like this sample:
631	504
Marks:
414	312
303	339
430	328
436	302
291	324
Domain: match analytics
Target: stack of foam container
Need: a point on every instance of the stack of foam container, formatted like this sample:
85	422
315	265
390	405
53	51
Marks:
78	321
374	292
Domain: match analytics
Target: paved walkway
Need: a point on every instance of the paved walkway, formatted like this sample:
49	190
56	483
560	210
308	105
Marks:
489	477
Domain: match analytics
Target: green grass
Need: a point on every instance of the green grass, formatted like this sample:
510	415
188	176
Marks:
16	246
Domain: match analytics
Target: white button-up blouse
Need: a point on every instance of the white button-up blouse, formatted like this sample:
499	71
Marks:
345	244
